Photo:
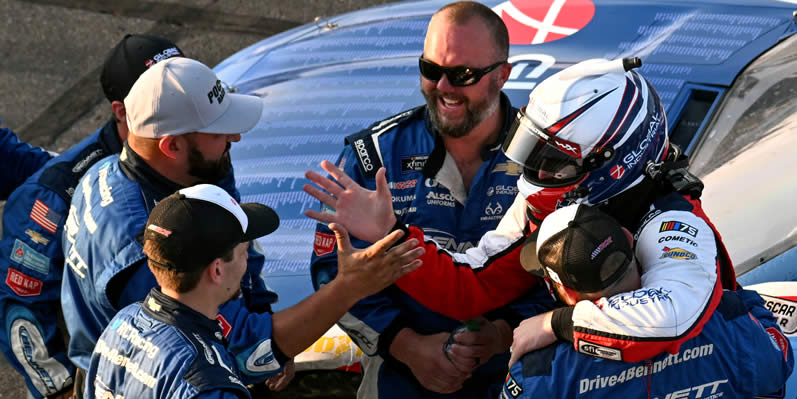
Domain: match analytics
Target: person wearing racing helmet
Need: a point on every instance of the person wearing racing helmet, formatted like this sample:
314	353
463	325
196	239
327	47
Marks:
594	133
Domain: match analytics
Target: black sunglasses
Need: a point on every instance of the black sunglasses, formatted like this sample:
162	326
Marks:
458	75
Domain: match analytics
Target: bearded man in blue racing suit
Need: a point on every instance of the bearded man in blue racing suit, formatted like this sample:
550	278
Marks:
447	175
18	161
170	347
182	139
593	133
586	255
33	335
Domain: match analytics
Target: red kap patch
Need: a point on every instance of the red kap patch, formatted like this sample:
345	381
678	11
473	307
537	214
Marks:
540	21
323	244
225	325
779	340
22	284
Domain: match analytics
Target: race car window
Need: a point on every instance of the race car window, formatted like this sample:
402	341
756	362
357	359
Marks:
760	103
696	104
745	158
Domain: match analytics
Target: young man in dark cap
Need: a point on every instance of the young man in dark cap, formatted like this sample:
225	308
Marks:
171	346
587	258
31	256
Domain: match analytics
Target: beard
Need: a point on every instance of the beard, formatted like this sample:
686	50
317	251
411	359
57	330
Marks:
206	170
475	112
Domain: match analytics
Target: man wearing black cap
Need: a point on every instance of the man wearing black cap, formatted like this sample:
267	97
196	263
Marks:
171	346
182	125
31	257
587	258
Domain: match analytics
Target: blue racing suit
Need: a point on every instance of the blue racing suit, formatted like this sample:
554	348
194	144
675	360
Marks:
428	192
159	349
107	269
33	336
740	353
18	161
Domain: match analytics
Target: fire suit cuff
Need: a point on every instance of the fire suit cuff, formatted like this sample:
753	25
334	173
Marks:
389	333
562	323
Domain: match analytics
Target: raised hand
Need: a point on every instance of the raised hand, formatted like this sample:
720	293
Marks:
532	334
366	214
370	270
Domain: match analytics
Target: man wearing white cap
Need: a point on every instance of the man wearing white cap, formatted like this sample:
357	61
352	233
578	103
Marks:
181	123
170	346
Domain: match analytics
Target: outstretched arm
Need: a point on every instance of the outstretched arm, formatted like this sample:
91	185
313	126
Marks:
361	272
467	285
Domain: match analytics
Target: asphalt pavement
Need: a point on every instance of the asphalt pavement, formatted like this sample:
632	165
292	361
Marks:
51	52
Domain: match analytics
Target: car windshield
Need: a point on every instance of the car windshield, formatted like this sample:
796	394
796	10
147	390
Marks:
745	159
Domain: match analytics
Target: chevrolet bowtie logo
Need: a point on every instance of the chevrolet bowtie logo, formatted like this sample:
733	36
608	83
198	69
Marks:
509	168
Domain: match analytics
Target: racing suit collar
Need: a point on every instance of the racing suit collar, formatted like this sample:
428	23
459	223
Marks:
438	154
170	311
152	182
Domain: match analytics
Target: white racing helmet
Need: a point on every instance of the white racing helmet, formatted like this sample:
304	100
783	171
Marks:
587	134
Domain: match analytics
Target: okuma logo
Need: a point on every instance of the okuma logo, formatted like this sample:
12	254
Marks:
540	21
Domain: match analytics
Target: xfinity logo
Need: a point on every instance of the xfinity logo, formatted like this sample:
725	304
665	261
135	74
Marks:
362	152
413	163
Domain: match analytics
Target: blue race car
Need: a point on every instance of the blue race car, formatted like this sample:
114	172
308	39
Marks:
725	71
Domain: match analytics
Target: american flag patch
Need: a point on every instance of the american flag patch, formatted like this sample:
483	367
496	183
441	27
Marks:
44	217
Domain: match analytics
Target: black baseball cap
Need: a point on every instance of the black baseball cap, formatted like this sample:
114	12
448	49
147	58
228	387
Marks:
129	59
198	224
583	248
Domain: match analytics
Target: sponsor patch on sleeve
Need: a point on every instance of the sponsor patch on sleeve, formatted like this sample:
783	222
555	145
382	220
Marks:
779	341
44	216
677	253
323	244
36	237
593	349
22	284
678	226
26	256
511	387
366	152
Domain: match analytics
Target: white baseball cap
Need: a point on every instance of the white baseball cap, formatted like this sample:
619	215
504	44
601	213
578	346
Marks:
181	95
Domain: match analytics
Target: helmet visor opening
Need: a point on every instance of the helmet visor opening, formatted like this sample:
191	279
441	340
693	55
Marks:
547	161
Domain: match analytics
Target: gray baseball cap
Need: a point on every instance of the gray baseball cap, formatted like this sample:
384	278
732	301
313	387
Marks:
181	95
